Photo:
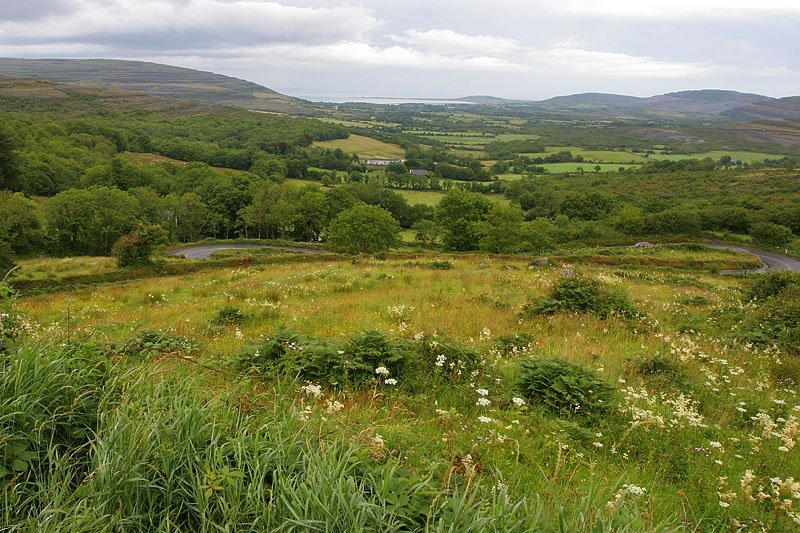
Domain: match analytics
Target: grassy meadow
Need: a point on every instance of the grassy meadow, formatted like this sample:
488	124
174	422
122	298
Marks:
702	438
364	147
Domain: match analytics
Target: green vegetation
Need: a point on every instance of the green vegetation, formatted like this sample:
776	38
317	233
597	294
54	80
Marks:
232	424
579	294
131	250
446	381
363	229
566	389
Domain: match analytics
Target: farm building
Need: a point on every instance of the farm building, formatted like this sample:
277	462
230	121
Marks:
379	161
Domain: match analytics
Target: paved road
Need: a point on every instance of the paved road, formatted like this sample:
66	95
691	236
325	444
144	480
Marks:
205	252
773	261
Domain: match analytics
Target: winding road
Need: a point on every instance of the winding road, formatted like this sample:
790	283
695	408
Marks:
205	252
773	261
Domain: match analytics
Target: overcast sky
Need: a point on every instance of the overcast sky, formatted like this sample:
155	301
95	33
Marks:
528	49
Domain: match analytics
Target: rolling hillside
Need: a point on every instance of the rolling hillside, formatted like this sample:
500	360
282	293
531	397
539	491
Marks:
158	80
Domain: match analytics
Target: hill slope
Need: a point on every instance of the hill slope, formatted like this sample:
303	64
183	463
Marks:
782	108
156	79
705	103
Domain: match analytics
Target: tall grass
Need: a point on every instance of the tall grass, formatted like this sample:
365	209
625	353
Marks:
113	450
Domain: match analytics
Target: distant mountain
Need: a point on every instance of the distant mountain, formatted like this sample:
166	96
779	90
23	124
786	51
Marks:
482	99
781	109
707	101
156	79
702	104
592	101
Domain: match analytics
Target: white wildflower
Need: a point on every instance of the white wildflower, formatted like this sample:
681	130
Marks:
483	402
334	406
382	371
633	489
311	389
482	392
485	419
519	402
391	381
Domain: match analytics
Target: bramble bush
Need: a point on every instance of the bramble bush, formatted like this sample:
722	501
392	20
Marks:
565	389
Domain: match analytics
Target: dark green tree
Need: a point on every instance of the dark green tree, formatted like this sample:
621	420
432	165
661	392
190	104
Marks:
131	250
458	214
89	221
9	171
771	234
363	229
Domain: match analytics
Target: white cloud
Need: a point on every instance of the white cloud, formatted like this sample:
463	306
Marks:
673	9
452	42
357	54
577	61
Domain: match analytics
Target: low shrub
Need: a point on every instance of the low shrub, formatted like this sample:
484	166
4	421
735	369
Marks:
9	327
771	284
227	316
694	301
515	344
450	358
660	369
580	294
330	361
131	250
565	389
149	343
438	264
7	262
774	322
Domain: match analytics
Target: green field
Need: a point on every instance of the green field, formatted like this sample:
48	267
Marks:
471	137
357	123
562	168
747	157
607	156
364	147
432	198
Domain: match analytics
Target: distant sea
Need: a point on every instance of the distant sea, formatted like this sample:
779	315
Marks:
339	99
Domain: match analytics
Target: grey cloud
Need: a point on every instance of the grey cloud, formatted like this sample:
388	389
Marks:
28	10
193	24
